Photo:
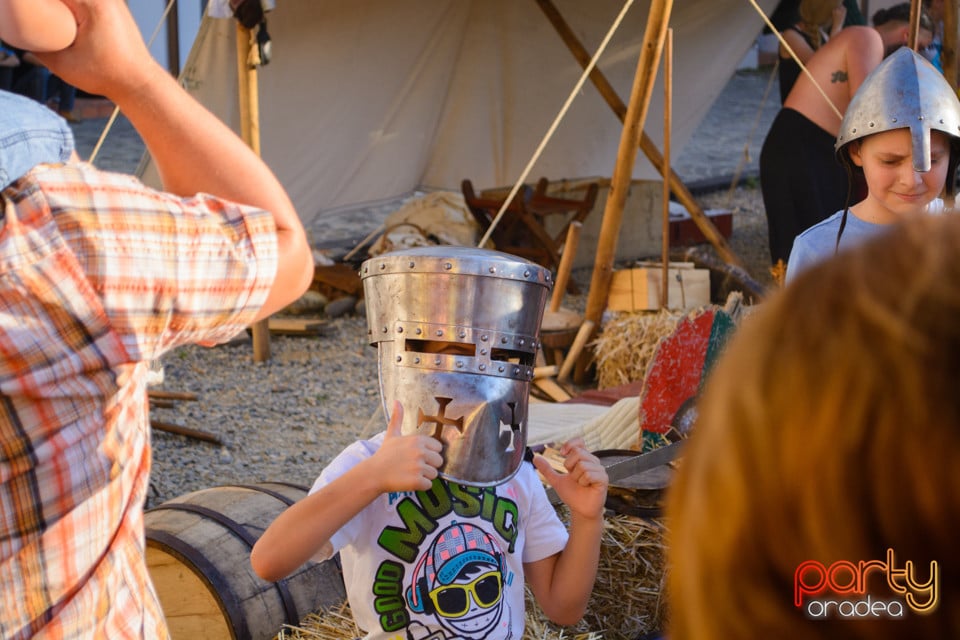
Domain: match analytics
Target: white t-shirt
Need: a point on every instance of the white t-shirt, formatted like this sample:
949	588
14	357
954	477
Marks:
446	563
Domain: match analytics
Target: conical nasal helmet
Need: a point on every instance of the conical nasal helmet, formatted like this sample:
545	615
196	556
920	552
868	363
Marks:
457	330
903	91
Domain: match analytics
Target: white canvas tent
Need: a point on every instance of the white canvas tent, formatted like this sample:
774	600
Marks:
369	100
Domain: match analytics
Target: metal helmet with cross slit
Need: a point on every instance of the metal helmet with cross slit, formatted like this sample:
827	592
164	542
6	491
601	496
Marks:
903	91
457	330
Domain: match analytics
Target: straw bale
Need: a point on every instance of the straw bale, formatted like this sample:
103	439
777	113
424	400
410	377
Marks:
627	343
627	600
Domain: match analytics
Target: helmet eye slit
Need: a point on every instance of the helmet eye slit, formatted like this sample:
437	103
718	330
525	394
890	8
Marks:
512	356
440	346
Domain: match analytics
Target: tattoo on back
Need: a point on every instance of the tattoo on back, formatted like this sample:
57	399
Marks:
838	76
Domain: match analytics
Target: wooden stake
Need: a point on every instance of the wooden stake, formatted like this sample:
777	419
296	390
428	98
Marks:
667	113
171	395
566	264
646	144
169	427
584	334
250	132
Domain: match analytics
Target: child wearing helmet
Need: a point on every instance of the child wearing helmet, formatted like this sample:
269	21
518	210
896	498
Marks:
800	179
902	133
441	521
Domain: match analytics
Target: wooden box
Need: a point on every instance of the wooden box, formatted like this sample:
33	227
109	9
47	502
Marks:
638	289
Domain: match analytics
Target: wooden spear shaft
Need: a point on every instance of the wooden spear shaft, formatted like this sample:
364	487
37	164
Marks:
647	145
653	38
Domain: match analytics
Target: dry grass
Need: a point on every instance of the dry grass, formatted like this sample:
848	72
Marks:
627	344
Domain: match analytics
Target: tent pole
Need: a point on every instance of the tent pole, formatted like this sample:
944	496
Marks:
650	50
647	145
667	115
250	132
914	32
948	55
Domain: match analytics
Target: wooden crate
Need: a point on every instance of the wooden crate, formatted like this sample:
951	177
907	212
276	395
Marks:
638	289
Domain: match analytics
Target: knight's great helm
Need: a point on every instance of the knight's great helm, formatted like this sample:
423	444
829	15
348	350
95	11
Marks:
457	330
903	91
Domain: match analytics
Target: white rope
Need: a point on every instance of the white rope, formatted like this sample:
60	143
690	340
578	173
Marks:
796	59
116	109
556	123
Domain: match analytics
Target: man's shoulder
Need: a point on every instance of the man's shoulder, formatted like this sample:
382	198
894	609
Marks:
856	34
854	40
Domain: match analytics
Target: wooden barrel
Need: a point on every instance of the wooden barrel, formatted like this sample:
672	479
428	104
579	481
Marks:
198	553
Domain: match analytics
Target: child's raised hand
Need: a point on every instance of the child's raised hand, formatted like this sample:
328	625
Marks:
406	462
584	487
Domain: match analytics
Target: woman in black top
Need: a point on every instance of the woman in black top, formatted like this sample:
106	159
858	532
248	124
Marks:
817	20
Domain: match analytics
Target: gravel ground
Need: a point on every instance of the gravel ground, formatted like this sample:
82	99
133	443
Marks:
286	418
278	420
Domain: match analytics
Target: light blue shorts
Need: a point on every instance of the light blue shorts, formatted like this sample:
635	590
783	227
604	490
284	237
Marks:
30	134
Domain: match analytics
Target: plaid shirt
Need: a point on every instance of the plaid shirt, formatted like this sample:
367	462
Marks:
99	275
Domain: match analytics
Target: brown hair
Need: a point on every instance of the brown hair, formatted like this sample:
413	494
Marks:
829	430
816	14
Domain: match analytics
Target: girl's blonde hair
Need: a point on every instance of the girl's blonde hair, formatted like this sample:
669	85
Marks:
815	16
829	430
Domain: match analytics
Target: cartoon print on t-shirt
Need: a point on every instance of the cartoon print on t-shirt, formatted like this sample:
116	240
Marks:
459	581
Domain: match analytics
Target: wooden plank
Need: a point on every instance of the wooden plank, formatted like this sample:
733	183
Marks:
341	277
171	395
295	326
550	387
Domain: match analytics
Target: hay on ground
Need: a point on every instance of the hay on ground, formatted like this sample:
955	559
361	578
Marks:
628	342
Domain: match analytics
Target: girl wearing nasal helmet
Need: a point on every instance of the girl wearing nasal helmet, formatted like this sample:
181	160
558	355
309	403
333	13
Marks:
902	133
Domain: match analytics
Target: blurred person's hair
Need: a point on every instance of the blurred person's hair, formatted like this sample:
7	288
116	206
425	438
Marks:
829	430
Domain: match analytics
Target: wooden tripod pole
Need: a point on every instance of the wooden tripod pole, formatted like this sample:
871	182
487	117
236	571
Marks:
647	145
667	115
653	38
247	59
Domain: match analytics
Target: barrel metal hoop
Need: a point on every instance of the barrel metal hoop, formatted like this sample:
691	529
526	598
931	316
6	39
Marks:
210	574
275	494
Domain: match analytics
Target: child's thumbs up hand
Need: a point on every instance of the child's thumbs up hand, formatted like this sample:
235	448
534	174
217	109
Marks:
406	462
